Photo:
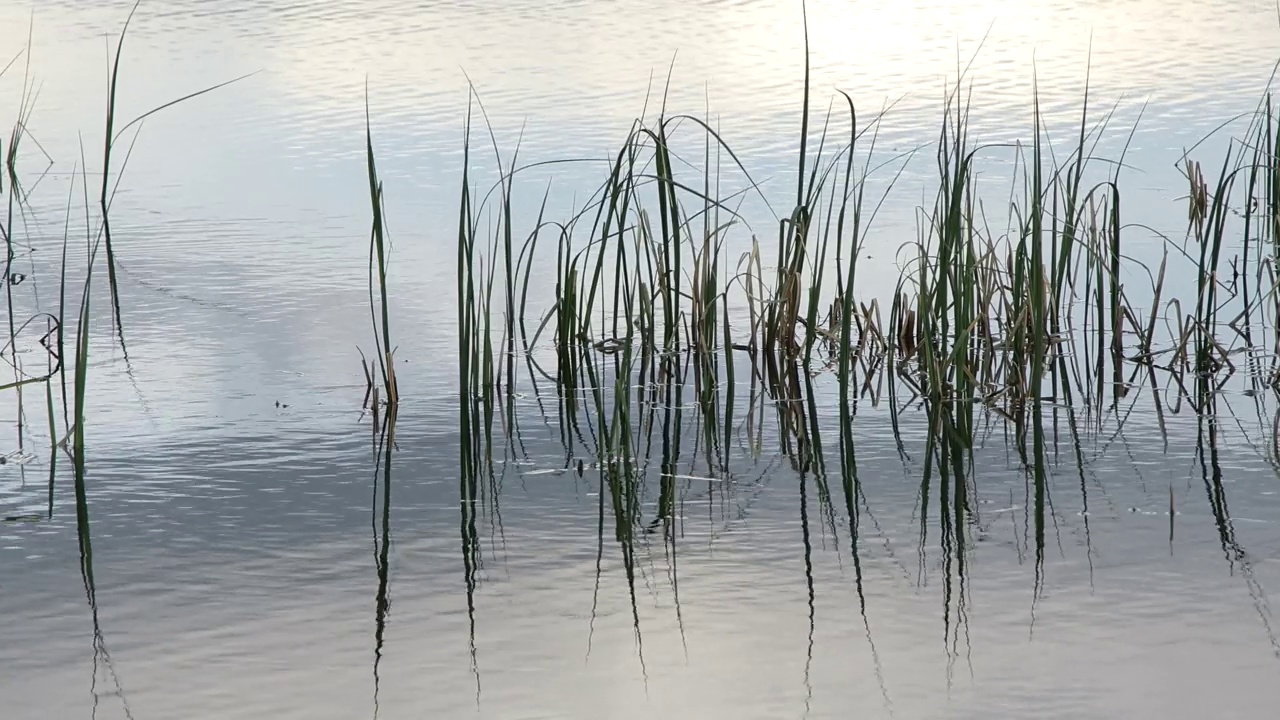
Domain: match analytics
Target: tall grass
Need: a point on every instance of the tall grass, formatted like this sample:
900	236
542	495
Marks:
113	133
645	324
379	300
60	359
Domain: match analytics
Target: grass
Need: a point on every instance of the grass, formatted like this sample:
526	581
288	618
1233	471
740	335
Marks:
382	376
1013	325
70	436
59	360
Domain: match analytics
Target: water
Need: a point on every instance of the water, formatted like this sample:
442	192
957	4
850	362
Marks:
236	530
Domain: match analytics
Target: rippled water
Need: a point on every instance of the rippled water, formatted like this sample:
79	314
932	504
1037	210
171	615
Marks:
232	483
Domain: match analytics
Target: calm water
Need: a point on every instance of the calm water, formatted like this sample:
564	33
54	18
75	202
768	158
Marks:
236	530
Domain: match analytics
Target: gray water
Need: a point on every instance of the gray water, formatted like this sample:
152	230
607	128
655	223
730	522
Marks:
236	528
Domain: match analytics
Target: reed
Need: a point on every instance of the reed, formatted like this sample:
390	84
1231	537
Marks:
17	208
379	260
113	133
70	437
984	324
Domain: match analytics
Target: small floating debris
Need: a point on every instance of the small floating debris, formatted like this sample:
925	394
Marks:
609	346
17	457
696	478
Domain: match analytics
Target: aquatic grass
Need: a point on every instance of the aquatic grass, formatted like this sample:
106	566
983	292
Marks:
988	330
80	389
111	136
384	443
108	145
379	259
14	202
16	194
476	366
53	340
982	325
473	451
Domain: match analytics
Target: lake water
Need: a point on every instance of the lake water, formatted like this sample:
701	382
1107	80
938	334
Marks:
237	503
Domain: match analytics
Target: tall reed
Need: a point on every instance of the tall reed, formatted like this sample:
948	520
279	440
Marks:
379	259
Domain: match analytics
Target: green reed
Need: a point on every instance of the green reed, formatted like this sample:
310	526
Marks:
983	323
108	145
80	390
14	201
468	331
112	135
379	260
71	437
52	340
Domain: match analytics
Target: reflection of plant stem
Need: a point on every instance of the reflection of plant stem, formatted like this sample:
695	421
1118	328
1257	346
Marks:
1211	472
100	653
470	565
382	543
808	578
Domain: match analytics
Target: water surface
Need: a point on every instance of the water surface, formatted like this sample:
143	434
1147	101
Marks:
237	533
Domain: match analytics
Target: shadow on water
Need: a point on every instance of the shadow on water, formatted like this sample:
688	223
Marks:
1237	558
101	655
383	446
471	557
852	488
808	581
947	461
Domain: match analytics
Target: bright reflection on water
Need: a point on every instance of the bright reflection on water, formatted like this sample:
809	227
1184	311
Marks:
238	528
